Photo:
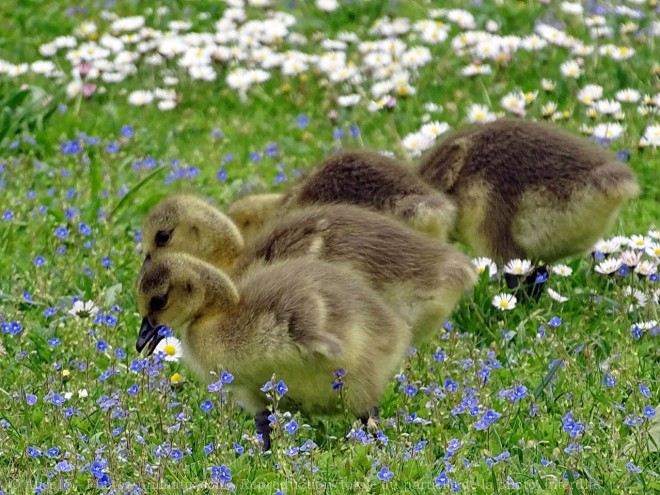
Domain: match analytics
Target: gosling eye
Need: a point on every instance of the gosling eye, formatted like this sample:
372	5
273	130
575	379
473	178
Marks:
163	237
158	302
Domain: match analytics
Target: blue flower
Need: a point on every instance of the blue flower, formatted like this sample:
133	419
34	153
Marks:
555	322
176	455
62	232
39	261
303	121
226	377
439	355
442	480
291	427
33	452
53	452
127	131
113	147
630	467
355	132
636	332
281	388
633	421
609	380
385	474
120	353
649	412
266	387
102	346
8	215
206	406
338	133
72	147
63	467
220	474
103	481
410	390
222	175
453	445
451	386
239	449
208	448
645	391
31	399
133	389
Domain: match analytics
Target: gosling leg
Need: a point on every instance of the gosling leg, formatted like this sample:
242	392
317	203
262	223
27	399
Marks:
263	427
531	287
370	420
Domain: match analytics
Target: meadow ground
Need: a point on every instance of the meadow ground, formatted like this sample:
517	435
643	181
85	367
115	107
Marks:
127	103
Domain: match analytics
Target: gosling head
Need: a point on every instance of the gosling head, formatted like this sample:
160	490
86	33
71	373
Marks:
252	212
174	289
188	224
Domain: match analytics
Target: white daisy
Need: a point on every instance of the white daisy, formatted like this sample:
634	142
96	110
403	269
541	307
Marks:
653	249
562	270
637	242
571	69
612	130
505	302
480	114
83	309
484	264
556	296
639	298
631	258
608	266
140	97
628	95
590	93
348	100
607	246
646	268
171	347
518	267
548	85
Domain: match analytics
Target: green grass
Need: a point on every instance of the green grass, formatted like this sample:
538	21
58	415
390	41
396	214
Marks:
46	189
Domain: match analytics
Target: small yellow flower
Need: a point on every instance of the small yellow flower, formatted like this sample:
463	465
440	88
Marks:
176	379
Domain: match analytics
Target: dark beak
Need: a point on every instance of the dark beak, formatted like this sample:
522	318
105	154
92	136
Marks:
148	335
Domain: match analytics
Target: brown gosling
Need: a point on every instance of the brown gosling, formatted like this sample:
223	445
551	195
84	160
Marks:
252	212
190	224
372	180
420	277
300	319
528	190
364	178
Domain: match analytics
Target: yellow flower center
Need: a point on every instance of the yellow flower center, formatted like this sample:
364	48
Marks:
504	304
169	349
176	378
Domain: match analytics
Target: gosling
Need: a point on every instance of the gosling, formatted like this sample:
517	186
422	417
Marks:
301	319
359	177
528	190
189	224
420	277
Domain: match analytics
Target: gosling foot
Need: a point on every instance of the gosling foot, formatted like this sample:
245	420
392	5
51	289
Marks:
529	288
263	428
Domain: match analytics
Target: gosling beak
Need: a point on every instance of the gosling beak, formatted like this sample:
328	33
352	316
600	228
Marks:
148	335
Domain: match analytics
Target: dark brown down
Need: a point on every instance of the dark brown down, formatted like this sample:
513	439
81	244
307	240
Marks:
512	157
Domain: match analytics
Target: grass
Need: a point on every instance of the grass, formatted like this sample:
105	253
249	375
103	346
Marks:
133	430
